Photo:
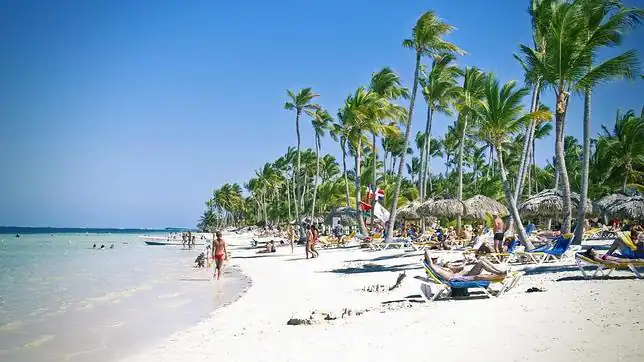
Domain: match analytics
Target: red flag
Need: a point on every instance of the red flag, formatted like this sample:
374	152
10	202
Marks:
364	206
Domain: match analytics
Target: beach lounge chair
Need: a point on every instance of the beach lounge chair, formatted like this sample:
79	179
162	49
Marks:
375	242
604	269
629	250
592	234
396	243
542	255
445	286
421	243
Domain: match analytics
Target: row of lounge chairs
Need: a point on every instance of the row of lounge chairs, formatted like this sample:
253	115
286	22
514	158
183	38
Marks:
561	250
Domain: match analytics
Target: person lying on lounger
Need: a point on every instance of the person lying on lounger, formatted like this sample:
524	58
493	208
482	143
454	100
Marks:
609	259
455	271
637	237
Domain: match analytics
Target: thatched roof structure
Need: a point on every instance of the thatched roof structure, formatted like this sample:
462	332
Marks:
409	211
549	203
607	201
631	208
479	206
347	216
447	206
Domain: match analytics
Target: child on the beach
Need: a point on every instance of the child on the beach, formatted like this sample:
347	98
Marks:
219	254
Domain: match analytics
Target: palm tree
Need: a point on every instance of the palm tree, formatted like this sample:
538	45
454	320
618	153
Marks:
329	167
413	169
321	121
361	110
450	146
540	14
566	66
426	40
603	18
499	112
299	102
625	146
341	132
387	85
468	98
439	86
541	130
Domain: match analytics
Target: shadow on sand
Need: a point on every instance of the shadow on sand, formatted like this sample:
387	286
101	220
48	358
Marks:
376	268
263	255
581	278
543	269
387	257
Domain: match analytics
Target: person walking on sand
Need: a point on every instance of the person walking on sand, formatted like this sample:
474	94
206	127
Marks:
290	234
499	232
314	239
309	237
219	254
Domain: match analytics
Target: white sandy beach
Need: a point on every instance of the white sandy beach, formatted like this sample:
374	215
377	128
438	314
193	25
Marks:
573	320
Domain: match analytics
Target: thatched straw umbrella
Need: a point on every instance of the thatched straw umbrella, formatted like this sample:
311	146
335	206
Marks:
447	206
631	208
607	201
479	206
409	211
347	216
549	203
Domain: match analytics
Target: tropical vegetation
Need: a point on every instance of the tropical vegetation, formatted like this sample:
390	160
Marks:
490	147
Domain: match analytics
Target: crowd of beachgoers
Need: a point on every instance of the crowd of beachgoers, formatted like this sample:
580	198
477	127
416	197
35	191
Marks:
425	291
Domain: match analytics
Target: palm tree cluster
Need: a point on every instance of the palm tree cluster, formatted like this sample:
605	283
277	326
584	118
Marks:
490	147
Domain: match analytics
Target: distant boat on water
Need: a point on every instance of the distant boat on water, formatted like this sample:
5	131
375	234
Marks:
162	240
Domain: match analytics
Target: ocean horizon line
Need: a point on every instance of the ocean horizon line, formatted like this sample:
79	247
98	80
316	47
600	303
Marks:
56	229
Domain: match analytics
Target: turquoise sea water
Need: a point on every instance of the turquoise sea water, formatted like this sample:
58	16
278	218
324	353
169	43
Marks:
61	300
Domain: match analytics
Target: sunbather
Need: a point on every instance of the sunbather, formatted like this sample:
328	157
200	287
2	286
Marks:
455	271
637	237
609	259
270	248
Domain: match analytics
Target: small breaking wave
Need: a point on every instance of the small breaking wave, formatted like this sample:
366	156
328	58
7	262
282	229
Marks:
39	342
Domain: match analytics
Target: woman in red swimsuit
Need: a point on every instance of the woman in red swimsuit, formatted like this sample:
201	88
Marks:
219	254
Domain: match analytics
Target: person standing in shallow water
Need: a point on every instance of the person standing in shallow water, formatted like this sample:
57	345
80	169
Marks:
219	254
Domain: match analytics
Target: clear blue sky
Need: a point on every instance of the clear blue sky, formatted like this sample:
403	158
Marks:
129	113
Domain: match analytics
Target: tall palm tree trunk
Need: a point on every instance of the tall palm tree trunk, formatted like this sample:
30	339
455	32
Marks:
384	165
562	105
459	191
264	208
514	212
401	166
534	167
296	185
373	184
361	225
527	141
585	164
425	161
304	191
288	199
317	173
344	168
